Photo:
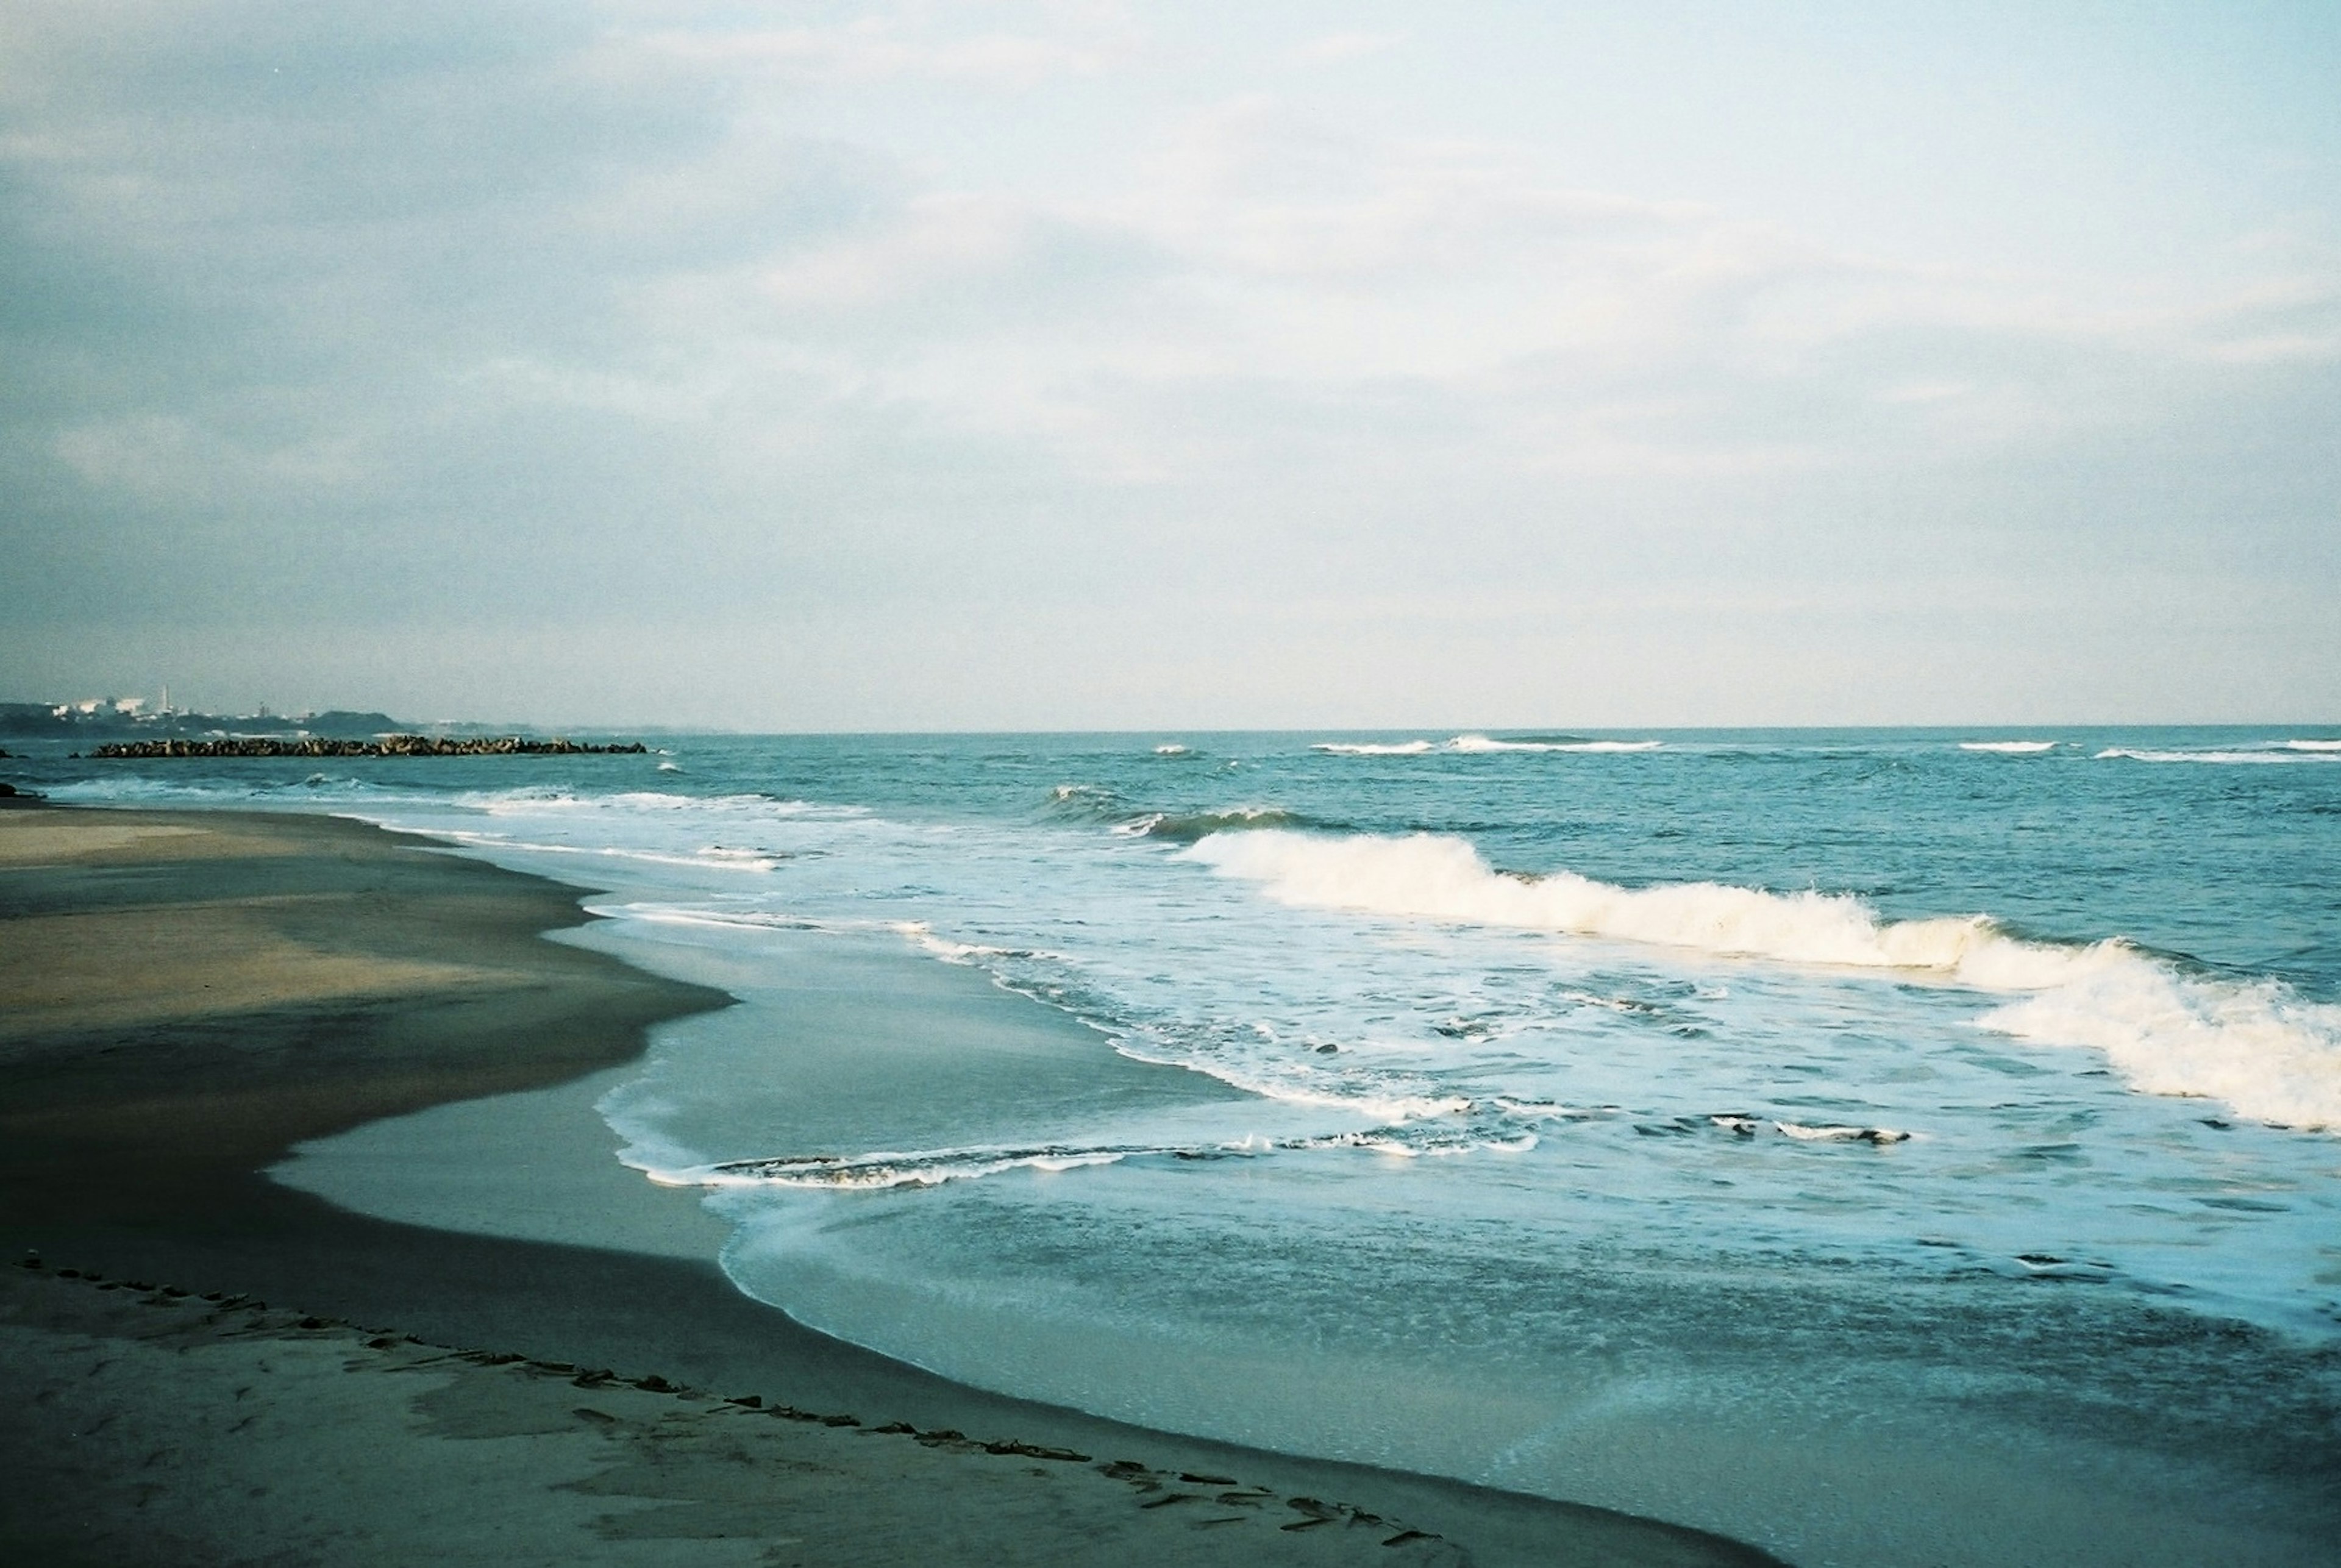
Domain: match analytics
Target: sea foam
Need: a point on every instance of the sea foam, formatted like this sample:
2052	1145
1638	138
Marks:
2292	752
2269	1053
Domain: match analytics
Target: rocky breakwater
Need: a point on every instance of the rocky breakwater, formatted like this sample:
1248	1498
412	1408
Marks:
381	746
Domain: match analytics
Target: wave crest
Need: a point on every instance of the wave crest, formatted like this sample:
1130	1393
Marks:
1443	878
1191	826
2269	1053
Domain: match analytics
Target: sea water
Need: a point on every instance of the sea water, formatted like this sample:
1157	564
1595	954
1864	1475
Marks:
1882	1145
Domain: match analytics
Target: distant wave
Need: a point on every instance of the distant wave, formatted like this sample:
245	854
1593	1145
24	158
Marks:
2013	748
2255	1044
2291	752
1171	749
1474	744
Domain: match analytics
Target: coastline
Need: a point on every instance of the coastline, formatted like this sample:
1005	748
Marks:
357	975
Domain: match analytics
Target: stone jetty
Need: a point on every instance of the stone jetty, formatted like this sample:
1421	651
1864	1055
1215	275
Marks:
381	746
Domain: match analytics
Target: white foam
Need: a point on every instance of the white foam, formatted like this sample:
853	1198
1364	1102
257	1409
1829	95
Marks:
2254	1045
2291	754
529	800
655	914
1441	877
753	859
1370	749
215	793
922	936
919	1168
714	856
1298	1084
2012	748
932	1167
1830	1132
1172	749
1397	1142
2312	745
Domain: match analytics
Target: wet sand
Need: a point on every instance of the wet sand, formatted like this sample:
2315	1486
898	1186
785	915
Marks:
183	997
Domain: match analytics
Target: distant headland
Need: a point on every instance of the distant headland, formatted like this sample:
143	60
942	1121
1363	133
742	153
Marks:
128	727
388	746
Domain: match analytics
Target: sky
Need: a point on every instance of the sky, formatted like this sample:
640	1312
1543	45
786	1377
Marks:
1080	364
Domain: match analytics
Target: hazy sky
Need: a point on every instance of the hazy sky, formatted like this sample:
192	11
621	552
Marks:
1087	365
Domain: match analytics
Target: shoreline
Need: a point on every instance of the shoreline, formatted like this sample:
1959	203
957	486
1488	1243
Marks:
358	975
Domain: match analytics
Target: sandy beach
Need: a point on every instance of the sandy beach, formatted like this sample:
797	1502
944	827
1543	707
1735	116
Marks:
203	1365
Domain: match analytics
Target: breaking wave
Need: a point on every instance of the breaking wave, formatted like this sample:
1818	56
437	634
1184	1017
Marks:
1189	828
2291	752
1372	749
2271	1054
2011	748
1441	877
1094	802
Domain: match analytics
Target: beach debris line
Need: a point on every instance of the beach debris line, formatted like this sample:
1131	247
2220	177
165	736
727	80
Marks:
381	746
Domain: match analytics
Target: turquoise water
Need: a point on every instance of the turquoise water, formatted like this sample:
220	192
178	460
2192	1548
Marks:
1882	1145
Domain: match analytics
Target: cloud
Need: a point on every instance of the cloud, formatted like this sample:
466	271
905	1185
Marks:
1001	46
531	312
1267	263
1328	47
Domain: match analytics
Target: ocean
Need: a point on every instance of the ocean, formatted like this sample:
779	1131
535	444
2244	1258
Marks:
1880	1145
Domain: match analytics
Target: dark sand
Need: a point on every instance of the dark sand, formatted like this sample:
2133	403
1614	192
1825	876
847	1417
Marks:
183	997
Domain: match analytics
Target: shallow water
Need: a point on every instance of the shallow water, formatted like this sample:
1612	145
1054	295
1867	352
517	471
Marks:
1881	1145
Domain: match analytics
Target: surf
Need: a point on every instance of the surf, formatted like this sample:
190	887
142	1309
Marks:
2253	1043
